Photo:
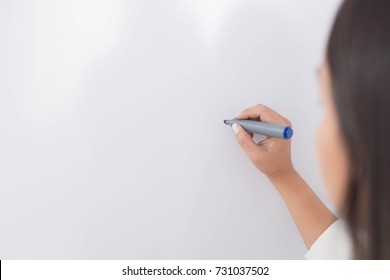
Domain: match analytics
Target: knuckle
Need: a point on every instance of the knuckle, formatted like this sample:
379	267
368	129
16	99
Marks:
256	159
261	106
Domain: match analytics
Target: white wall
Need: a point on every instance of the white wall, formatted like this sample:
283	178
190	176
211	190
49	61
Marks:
112	144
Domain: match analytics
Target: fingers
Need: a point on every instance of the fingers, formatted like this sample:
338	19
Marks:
245	140
263	113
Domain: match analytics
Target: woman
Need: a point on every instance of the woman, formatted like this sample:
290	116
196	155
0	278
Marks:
352	141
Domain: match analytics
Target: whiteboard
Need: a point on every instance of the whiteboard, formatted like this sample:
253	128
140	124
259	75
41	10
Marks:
112	142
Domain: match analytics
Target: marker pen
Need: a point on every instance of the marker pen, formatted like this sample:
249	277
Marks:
268	129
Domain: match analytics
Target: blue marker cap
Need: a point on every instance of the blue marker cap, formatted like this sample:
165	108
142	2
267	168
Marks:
288	132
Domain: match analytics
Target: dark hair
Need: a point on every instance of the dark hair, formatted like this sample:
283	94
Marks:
358	54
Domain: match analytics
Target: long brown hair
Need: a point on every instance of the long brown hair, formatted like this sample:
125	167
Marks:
358	54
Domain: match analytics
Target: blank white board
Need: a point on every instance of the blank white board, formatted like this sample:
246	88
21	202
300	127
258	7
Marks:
112	144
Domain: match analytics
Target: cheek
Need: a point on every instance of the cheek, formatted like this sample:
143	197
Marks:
332	161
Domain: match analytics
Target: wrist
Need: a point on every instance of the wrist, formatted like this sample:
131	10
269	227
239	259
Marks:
284	178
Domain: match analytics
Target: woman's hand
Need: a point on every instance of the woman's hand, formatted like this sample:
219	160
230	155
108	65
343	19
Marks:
271	156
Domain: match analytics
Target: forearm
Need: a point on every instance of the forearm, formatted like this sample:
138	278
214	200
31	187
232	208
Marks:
310	214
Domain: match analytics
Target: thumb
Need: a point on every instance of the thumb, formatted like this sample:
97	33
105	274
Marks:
245	140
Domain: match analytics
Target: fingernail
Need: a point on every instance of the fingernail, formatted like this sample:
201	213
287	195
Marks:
235	128
235	116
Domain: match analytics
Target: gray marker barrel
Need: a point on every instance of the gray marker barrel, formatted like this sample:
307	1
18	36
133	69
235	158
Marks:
268	129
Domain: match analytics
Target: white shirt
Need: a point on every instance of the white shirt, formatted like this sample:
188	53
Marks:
333	244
